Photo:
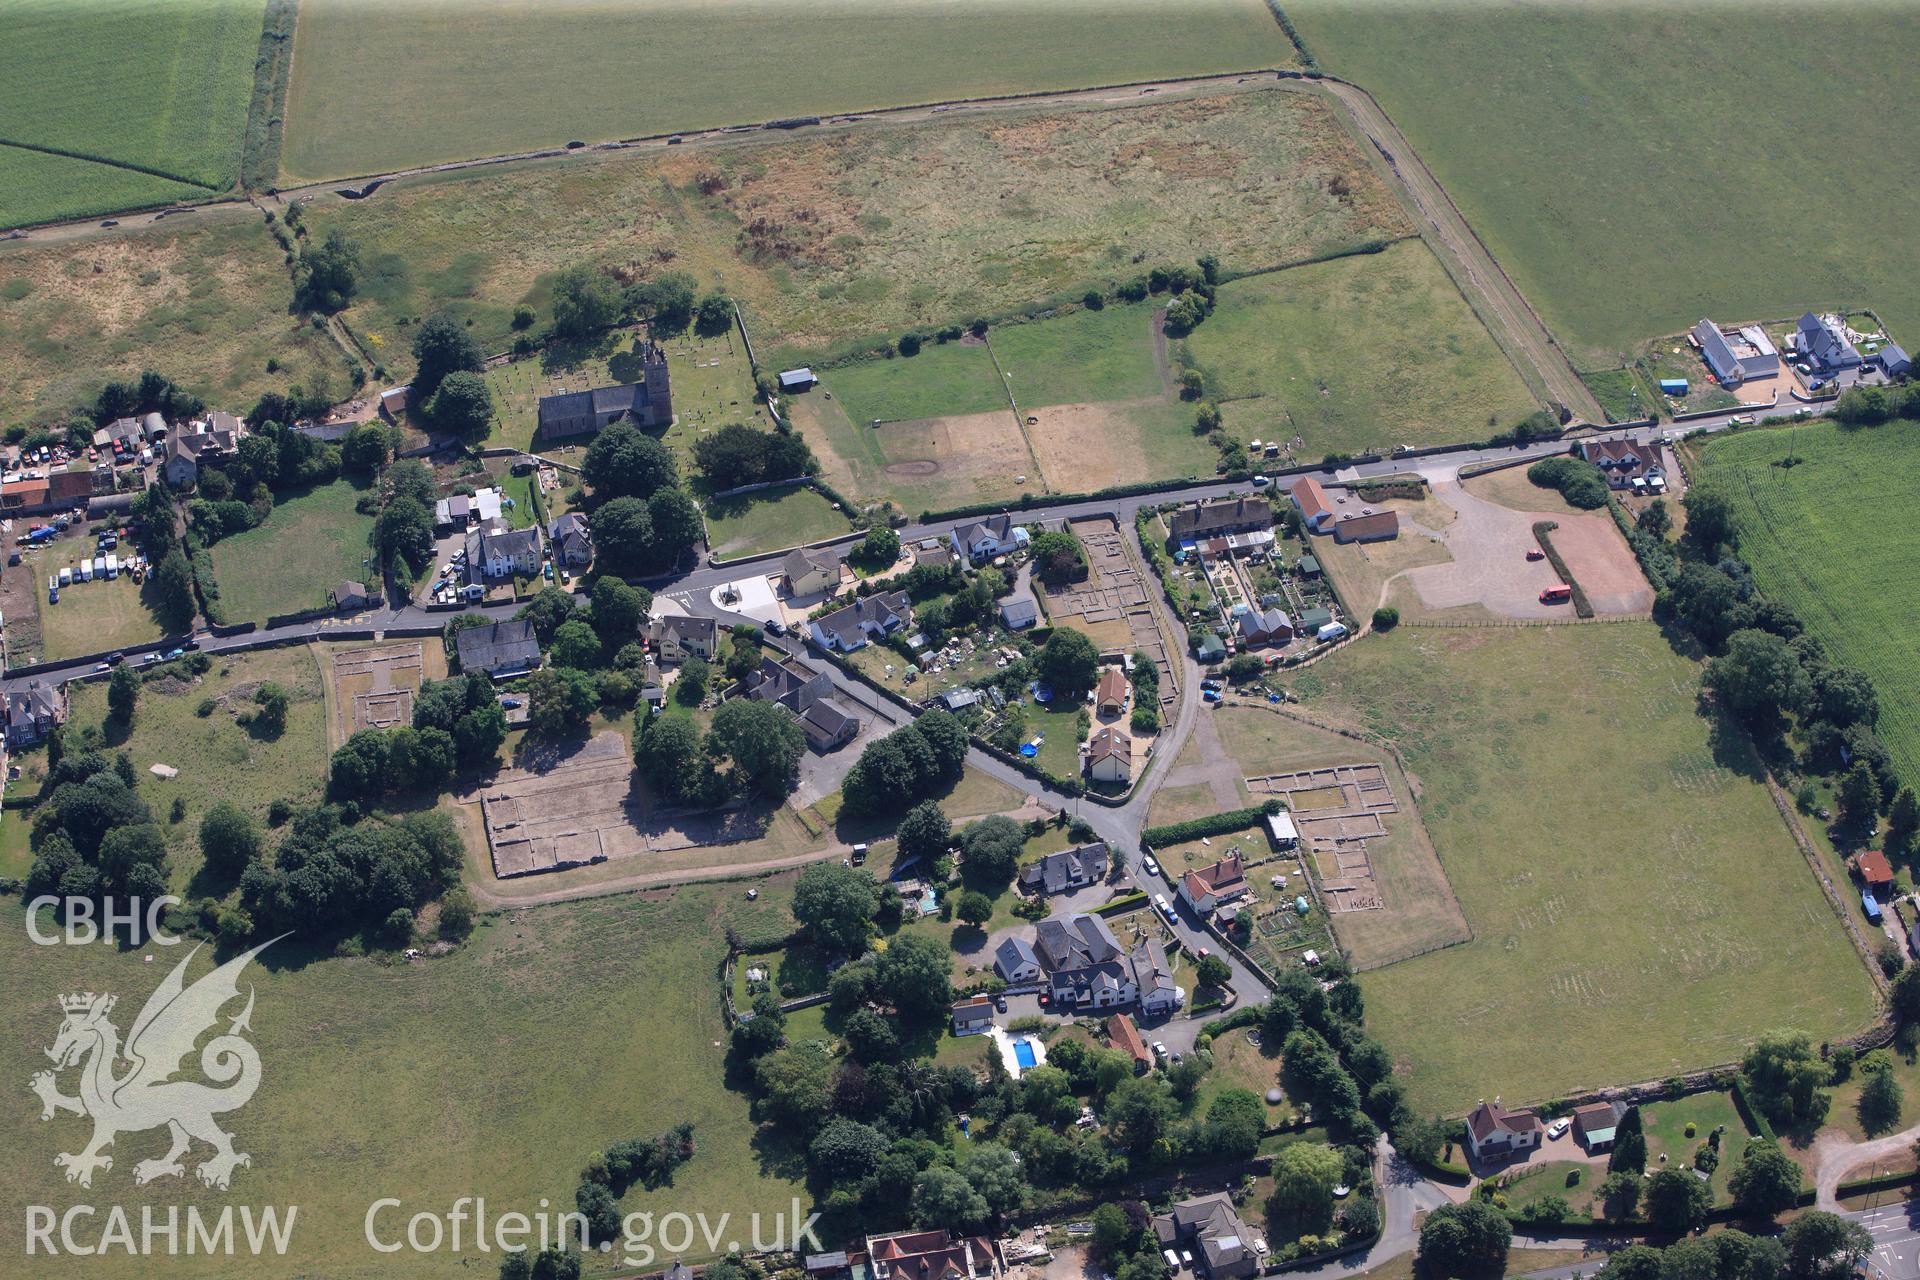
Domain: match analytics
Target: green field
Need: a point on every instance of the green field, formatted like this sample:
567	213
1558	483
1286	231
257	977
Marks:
203	298
495	1071
1818	538
296	557
1634	167
1371	350
1637	906
770	520
943	380
162	85
597	69
1081	356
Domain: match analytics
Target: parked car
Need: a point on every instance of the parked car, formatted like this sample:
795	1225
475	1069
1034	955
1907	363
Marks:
1000	1001
1261	482
1535	553
1159	1048
1557	1128
1153	868
1212	686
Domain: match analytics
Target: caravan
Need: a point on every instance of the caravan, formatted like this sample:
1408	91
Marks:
113	566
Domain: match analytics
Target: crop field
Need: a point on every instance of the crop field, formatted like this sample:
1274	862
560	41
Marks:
410	1079
598	69
296	556
1583	141
831	238
1375	349
1818	539
202	298
159	84
1649	937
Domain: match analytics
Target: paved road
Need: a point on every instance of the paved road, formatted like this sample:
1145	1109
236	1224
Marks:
1896	1239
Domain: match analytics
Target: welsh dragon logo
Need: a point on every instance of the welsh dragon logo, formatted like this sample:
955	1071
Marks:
146	1094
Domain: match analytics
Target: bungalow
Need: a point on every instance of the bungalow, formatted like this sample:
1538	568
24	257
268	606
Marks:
808	693
500	649
1018	612
1123	1035
984	539
933	553
932	1255
350	596
572	540
494	551
1110	755
1110	695
1596	1124
971	1017
1736	355
34	712
1015	961
1627	465
811	572
1220	517
1875	873
1216	884
1068	869
1315	509
678	637
1367	525
873	617
1823	343
1210	1229
1494	1133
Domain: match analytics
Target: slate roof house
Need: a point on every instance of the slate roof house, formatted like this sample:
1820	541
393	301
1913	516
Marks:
1086	965
1067	869
1627	465
1493	1132
808	694
645	404
972	1016
1210	1228
678	637
1216	884
33	712
873	617
983	539
1221	516
1159	995
1893	360
1736	355
572	541
199	442
501	649
495	551
1016	961
1019	611
1263	626
810	571
1824	344
932	1255
349	596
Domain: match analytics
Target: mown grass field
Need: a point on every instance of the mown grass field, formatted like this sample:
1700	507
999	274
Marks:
202	297
1635	168
598	69
296	556
753	523
1819	540
160	84
1376	349
1637	906
943	380
496	1070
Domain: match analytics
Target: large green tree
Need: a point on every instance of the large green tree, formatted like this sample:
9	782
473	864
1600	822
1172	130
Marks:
992	848
835	905
442	345
1304	1175
585	301
1758	678
1468	1239
462	406
1766	1181
1676	1201
625	462
764	742
1070	663
1825	1246
229	840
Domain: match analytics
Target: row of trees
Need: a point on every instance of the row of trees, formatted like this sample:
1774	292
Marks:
753	748
642	519
737	455
1576	480
586	300
911	764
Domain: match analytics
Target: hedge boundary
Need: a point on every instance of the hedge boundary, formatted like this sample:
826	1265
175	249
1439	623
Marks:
1218	824
1581	605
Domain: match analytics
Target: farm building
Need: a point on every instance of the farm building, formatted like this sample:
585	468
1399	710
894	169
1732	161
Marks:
646	404
1367	525
1735	355
794	380
1315	508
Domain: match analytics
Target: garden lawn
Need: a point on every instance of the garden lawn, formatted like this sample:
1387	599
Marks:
750	524
293	559
1369	350
92	617
1060	751
205	299
592	70
1572	138
1666	1128
1651	940
411	1080
219	758
166	89
1819	540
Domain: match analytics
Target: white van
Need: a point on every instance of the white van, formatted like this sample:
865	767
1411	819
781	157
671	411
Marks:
99	566
86	571
113	566
66	577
